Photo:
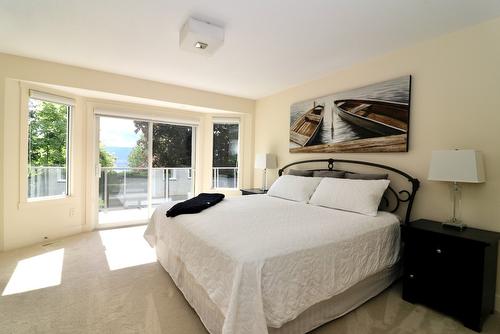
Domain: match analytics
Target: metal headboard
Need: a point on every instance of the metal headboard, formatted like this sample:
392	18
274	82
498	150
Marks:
402	196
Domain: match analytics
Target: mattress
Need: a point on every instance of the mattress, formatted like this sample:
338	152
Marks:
263	261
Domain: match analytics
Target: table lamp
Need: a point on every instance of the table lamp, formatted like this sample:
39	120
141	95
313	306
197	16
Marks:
456	166
265	161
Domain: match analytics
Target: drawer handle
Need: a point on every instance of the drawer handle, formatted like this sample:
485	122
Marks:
439	251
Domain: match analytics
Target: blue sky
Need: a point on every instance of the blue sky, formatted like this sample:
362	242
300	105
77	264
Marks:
117	132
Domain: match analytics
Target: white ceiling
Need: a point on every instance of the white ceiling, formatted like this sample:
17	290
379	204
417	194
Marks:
270	45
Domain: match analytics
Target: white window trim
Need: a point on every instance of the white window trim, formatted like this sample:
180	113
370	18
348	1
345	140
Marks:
227	120
24	145
38	95
146	117
46	198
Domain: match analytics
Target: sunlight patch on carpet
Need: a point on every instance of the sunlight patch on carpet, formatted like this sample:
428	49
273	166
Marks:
36	272
126	247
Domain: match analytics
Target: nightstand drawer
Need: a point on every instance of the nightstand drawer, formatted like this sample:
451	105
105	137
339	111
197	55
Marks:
431	245
433	286
445	259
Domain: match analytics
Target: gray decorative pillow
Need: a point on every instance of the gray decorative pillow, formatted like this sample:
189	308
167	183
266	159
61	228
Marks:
298	172
329	173
360	176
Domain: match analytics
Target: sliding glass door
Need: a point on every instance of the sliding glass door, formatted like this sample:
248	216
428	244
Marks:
141	165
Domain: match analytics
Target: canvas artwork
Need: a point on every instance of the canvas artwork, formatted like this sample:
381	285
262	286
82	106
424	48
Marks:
373	118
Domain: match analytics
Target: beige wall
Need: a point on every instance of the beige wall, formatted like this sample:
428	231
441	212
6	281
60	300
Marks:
455	104
2	107
27	223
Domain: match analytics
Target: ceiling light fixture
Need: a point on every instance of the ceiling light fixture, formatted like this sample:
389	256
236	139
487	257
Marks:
200	37
201	45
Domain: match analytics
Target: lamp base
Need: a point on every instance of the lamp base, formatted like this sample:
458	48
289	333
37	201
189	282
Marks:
455	224
264	180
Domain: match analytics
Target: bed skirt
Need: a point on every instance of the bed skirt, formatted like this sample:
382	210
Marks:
313	317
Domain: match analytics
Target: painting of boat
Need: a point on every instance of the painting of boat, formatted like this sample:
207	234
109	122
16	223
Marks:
371	118
385	118
306	128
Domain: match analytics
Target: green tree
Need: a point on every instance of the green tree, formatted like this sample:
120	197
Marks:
138	157
225	148
106	159
171	146
48	123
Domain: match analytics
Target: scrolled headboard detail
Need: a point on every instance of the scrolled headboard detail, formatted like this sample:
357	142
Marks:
392	199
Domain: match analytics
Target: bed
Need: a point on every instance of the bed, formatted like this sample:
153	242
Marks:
260	264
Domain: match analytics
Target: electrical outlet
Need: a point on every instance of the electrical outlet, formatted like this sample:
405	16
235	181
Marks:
71	212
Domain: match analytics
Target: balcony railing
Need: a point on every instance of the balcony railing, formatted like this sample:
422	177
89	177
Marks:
123	188
225	177
46	181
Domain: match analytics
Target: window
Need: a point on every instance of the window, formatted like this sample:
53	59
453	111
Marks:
173	151
225	155
48	145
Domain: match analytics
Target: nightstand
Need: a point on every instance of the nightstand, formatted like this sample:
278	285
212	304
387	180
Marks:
252	191
451	271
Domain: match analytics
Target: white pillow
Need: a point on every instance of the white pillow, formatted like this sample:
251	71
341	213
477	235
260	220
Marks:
294	188
361	196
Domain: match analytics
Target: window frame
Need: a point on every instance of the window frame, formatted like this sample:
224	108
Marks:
24	152
227	120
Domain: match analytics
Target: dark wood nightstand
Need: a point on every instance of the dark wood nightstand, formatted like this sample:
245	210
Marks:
452	271
253	191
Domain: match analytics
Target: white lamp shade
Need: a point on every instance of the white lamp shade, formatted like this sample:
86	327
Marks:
266	161
457	166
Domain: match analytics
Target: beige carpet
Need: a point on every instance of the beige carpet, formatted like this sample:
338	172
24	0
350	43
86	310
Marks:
108	282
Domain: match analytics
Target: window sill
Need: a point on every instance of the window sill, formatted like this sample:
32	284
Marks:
50	200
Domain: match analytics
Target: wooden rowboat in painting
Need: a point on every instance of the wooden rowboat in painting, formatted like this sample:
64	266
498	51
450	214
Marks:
382	117
306	127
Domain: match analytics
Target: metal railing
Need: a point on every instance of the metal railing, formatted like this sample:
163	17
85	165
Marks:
45	181
225	177
125	187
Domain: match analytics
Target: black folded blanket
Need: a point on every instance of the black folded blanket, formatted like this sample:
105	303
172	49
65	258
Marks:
196	204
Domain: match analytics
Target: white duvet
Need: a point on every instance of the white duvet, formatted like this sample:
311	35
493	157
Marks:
264	260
